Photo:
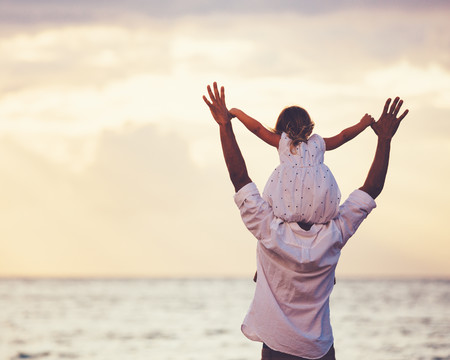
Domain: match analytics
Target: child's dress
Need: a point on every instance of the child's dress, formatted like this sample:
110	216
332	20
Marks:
302	188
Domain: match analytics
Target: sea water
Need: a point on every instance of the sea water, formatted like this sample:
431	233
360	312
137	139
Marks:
196	319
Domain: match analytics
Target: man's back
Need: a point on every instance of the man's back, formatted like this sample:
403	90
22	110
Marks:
296	269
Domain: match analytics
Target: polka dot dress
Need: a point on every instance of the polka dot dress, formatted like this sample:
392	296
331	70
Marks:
302	188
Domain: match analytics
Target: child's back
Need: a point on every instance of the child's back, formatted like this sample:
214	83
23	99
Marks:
302	188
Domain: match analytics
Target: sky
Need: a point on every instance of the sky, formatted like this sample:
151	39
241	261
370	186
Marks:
110	162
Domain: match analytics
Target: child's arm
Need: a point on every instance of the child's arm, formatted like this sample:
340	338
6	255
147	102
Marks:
349	133
257	128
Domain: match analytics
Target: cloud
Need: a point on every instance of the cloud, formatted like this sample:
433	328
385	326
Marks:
339	49
144	208
82	55
333	46
141	208
112	161
51	11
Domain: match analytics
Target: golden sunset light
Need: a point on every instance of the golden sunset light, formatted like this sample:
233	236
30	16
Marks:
110	162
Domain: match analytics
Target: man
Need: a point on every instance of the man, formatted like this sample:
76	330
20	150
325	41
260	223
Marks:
296	262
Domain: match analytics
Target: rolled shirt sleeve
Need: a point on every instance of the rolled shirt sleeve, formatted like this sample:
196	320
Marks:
256	213
352	213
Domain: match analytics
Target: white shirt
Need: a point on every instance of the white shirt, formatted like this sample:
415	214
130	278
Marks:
296	268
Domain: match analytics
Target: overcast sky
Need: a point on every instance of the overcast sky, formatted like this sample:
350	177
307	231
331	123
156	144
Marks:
110	163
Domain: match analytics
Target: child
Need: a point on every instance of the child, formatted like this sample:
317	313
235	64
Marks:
302	188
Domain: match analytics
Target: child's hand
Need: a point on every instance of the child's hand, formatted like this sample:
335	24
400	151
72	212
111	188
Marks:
367	120
234	112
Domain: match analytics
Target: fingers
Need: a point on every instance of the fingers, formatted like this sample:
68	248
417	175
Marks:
216	101
215	96
211	95
397	121
403	115
216	91
386	106
222	94
397	108
393	106
206	101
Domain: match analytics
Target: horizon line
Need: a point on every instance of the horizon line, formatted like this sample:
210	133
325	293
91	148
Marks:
373	277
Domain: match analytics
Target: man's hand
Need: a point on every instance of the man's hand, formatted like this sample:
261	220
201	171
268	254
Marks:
385	129
388	123
217	105
231	152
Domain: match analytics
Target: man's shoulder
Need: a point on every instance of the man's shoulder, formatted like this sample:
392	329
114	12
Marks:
353	212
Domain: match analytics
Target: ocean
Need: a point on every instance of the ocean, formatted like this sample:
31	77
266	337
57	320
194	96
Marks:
196	319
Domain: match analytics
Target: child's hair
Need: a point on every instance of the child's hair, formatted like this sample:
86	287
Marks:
296	123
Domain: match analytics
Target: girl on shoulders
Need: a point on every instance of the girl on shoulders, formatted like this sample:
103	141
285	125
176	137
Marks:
302	188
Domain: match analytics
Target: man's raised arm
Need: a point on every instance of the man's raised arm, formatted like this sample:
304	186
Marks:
385	129
231	152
